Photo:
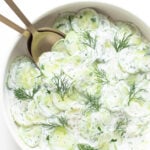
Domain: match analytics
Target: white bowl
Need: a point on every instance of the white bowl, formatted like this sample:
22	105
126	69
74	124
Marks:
20	47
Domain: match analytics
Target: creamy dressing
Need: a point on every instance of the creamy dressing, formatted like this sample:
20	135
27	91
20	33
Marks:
91	92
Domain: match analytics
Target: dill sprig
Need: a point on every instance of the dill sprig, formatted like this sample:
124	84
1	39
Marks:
61	122
62	84
120	44
92	102
21	93
133	91
89	40
85	147
101	76
121	126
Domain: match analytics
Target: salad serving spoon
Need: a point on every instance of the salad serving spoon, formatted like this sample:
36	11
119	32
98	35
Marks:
38	40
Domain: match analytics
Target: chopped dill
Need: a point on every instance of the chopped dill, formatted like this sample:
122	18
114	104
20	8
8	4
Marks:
113	140
120	44
92	102
21	93
100	130
101	76
85	147
133	91
89	40
61	122
62	84
121	126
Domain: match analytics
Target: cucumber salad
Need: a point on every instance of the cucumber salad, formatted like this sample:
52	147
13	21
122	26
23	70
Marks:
90	92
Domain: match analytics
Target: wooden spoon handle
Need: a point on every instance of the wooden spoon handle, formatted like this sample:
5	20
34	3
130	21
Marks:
22	17
13	26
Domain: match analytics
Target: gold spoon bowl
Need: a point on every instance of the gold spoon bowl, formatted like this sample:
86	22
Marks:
38	40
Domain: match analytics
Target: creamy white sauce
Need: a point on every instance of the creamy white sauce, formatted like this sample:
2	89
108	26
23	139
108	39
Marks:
92	90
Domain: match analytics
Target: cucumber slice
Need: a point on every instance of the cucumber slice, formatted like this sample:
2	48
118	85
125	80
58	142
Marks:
115	97
132	62
45	104
73	42
18	112
59	46
67	102
64	22
33	113
61	139
85	19
113	71
51	63
87	81
138	109
23	74
126	27
31	135
136	39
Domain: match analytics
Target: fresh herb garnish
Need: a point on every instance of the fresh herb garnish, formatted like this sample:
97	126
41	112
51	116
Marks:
62	84
89	40
92	102
113	140
133	91
61	122
47	138
100	130
21	93
101	76
85	147
121	126
122	43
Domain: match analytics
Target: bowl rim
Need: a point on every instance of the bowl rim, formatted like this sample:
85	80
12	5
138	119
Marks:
17	140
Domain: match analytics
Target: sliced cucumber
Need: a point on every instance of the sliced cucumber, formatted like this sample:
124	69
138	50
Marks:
105	142
51	63
85	19
59	46
132	62
18	111
115	97
87	81
23	74
130	28
61	140
31	135
138	109
33	113
73	42
136	39
113	70
67	102
45	104
64	22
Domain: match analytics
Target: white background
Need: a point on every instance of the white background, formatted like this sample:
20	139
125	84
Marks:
33	9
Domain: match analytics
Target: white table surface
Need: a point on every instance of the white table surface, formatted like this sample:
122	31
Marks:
139	8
